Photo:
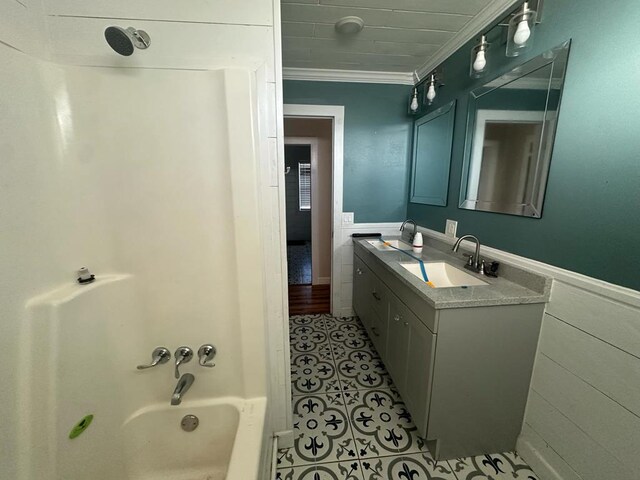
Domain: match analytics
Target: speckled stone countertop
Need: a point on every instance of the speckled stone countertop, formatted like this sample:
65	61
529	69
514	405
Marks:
513	286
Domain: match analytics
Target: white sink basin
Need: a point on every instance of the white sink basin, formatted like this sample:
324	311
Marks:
443	275
395	243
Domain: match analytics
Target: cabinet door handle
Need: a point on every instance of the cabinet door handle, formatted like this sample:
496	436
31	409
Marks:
406	324
397	318
376	296
359	272
375	332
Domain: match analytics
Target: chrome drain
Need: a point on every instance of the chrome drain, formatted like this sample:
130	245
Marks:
189	423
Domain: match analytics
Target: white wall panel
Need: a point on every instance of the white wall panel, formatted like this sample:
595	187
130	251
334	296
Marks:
585	456
245	12
175	45
582	419
599	315
345	275
614	428
602	365
19	24
543	458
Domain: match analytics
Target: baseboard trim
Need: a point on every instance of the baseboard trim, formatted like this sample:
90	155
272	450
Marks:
274	457
536	461
323	281
284	438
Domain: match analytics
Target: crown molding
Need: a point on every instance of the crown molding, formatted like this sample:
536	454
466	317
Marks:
353	76
495	10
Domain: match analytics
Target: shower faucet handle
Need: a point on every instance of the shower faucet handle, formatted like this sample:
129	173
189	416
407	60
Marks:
206	353
183	355
159	356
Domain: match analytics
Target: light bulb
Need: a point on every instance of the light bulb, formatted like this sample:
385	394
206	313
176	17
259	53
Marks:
431	93
414	102
523	32
480	61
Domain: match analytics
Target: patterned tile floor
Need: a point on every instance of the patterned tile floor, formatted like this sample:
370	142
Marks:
299	264
350	422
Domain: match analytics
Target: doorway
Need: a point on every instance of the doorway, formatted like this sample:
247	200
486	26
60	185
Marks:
308	184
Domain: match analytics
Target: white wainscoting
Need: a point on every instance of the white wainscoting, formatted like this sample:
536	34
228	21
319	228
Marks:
344	277
583	413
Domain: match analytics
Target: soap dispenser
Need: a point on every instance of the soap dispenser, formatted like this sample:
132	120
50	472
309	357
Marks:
417	242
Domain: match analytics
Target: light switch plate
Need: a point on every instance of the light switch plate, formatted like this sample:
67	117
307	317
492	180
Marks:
451	228
347	218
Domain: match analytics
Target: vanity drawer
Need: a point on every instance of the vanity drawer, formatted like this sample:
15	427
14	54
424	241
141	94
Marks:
380	294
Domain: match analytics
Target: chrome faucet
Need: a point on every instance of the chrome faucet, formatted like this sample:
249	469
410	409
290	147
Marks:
475	262
415	228
183	386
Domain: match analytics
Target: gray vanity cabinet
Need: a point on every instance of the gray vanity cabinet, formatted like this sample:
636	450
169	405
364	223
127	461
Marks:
463	373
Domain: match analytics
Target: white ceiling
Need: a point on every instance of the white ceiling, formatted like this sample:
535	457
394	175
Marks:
399	35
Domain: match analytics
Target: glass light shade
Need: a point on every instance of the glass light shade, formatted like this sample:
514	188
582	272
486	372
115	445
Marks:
414	102
430	89
478	65
521	29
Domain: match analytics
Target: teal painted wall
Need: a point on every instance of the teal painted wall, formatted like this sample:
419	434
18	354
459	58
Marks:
377	143
591	217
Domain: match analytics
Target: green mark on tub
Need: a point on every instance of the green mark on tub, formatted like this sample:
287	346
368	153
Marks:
80	427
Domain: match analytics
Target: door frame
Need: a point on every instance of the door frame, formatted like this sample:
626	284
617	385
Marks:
315	230
336	114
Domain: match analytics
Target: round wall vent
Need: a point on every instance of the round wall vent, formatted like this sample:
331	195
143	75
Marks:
349	25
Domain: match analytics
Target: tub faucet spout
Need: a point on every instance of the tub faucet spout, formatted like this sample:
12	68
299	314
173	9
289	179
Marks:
184	384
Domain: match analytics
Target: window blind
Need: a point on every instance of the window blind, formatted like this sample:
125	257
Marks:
304	185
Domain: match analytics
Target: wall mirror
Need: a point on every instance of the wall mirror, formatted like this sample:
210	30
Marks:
511	127
432	142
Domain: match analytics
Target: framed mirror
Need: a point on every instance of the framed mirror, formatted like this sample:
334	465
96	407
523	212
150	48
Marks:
511	127
432	142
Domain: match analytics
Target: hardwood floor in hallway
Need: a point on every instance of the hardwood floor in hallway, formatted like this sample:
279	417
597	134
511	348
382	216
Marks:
309	299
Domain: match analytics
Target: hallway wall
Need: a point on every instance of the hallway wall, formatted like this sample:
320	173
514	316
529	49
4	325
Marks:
377	143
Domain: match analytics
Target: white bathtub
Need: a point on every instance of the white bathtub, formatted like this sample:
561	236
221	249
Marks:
135	433
226	444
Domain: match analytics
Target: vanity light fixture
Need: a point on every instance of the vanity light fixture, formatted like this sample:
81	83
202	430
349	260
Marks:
414	104
521	28
478	64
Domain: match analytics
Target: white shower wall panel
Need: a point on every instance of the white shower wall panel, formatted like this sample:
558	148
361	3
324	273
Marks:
53	218
164	145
